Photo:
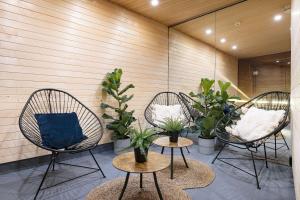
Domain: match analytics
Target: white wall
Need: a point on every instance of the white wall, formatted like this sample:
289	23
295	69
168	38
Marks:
295	93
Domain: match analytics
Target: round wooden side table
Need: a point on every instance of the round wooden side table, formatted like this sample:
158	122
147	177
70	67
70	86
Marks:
155	162
182	142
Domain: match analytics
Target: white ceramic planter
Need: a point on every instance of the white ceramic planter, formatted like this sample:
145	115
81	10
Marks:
206	146
121	146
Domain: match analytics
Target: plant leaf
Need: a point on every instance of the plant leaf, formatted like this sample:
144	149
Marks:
126	88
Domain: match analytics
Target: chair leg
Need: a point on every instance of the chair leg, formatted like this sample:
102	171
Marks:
97	164
44	177
53	165
256	176
55	155
266	159
287	146
187	131
275	146
218	154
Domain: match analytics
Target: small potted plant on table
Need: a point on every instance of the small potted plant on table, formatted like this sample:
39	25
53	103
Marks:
140	140
120	122
173	127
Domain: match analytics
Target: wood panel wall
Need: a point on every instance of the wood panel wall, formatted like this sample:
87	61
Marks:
191	60
295	93
71	45
245	79
271	77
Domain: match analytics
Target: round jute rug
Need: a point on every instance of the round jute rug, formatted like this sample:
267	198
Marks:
112	189
197	175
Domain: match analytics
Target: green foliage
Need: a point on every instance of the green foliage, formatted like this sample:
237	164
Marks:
172	125
213	105
120	124
142	138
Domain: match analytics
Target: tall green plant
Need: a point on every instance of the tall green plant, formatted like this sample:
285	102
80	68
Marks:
213	105
119	124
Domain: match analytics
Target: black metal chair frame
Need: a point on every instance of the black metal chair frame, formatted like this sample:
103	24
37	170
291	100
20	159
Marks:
166	98
189	102
276	143
252	146
194	113
50	100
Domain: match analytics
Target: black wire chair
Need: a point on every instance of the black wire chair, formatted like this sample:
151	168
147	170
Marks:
269	101
56	101
166	98
189	103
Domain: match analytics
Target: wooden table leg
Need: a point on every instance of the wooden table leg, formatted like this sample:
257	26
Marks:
125	185
157	186
183	158
172	157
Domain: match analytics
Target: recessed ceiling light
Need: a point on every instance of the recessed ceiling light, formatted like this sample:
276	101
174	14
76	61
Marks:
154	2
277	18
234	47
223	40
277	61
208	31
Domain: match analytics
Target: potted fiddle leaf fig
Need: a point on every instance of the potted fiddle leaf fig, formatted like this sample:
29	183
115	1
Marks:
173	127
213	105
119	122
140	140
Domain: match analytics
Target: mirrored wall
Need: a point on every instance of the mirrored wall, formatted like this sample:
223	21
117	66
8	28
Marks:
247	44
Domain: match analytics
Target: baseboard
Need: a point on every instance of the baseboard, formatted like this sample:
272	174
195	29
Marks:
42	160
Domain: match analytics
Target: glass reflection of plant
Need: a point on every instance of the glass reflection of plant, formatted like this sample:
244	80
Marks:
213	105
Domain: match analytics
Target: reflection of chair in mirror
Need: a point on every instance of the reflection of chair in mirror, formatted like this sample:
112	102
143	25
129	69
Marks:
52	101
166	99
189	103
194	113
267	101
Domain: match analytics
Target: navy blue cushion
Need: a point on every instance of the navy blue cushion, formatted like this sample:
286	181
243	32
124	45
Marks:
59	130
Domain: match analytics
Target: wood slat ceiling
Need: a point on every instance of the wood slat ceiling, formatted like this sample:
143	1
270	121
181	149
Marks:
249	25
171	12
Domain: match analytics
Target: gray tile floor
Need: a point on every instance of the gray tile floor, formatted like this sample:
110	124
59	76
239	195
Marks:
229	184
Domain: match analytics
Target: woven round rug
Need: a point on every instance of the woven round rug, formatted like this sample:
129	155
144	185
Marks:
112	189
196	176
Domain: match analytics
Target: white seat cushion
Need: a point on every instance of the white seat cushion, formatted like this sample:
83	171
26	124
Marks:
162	112
256	123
